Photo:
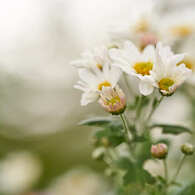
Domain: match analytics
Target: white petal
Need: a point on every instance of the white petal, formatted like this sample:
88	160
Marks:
146	87
88	97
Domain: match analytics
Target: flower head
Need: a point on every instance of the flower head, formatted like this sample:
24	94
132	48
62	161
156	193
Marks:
159	151
92	82
94	59
142	32
113	100
187	149
135	62
169	73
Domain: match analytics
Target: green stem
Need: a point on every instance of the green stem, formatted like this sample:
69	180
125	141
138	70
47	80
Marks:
154	108
178	169
138	108
125	124
165	170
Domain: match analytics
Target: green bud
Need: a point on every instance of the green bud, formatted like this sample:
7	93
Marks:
187	149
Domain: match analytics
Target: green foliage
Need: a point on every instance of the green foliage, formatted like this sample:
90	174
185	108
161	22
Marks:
172	129
188	190
97	121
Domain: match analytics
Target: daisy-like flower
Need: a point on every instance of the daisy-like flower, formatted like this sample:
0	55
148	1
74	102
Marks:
169	73
113	100
178	25
189	59
136	63
94	59
142	32
92	83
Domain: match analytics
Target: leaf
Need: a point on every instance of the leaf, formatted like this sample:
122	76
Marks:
172	129
139	139
124	163
188	190
96	121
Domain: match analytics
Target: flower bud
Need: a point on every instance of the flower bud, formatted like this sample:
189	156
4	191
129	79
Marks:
159	151
187	149
98	153
113	100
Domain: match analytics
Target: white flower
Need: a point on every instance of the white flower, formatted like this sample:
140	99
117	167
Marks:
113	100
18	172
189	59
142	32
92	82
169	73
95	59
177	25
136	63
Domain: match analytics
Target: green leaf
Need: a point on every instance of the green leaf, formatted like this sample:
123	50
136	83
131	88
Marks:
96	121
188	190
172	129
124	163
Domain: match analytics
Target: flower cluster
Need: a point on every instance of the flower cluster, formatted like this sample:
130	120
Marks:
154	67
139	58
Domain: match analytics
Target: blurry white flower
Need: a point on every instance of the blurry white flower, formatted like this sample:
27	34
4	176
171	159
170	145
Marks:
113	100
18	172
136	63
95	59
92	82
168	74
189	59
177	25
142	32
79	182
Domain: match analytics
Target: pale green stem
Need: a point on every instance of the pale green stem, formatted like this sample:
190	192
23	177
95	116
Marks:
165	170
125	124
138	108
154	108
178	169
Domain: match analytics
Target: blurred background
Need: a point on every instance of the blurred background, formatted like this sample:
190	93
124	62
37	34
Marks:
42	149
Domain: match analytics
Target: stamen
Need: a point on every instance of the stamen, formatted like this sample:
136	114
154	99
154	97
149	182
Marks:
188	64
99	66
165	83
181	31
143	68
103	84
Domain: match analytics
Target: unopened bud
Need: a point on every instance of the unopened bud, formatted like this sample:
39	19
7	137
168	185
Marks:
105	142
187	149
159	151
98	153
113	100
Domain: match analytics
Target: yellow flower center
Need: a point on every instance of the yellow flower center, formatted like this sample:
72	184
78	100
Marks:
99	66
114	100
165	83
103	84
181	31
189	64
141	26
143	68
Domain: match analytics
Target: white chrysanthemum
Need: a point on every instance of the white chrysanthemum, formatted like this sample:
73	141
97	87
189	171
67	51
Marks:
91	82
136	63
18	172
189	59
94	59
142	32
169	72
178	25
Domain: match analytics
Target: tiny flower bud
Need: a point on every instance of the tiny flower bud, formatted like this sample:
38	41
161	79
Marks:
159	151
98	153
113	100
187	149
105	142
